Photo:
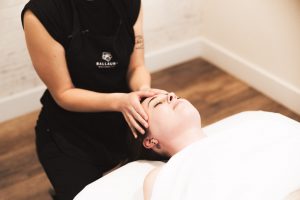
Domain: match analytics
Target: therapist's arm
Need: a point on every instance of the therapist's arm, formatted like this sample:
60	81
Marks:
48	58
138	76
149	182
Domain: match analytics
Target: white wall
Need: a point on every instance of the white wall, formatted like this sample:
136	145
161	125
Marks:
172	30
259	42
170	22
16	74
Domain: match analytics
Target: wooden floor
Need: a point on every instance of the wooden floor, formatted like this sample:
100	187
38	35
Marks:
214	93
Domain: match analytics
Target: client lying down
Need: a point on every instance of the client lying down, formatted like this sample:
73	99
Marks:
232	165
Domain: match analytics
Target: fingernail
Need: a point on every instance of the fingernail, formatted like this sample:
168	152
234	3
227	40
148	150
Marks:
143	131
146	125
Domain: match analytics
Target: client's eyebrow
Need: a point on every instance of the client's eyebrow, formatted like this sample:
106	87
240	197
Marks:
151	100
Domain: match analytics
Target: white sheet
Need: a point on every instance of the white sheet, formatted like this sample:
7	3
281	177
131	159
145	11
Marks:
126	182
257	158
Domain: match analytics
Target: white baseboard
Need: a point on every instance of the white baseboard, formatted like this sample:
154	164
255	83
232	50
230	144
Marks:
28	101
21	103
274	87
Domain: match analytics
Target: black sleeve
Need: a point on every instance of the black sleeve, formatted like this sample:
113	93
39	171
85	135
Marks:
48	14
135	10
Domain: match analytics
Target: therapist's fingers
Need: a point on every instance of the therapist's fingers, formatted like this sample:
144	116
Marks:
133	131
155	90
137	113
158	91
145	93
135	125
136	104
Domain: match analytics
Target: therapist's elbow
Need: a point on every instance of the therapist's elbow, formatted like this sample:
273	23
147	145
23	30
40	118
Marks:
64	100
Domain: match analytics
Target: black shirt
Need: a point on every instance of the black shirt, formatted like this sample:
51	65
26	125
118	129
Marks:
97	15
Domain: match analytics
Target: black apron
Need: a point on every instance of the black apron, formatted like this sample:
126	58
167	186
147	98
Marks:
100	64
103	59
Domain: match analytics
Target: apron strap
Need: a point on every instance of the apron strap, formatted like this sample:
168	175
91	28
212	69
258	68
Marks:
76	23
120	10
122	13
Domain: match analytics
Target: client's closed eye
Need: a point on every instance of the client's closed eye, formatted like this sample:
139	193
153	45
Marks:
157	104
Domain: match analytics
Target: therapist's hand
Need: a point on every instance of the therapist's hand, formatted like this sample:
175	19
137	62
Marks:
133	112
155	90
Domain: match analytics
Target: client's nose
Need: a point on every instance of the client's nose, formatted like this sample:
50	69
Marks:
171	96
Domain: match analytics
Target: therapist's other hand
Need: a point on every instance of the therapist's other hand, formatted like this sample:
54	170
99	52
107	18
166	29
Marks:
155	90
133	112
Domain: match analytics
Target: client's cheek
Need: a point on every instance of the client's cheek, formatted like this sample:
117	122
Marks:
161	122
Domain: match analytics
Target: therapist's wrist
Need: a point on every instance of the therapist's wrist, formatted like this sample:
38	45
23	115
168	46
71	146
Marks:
117	101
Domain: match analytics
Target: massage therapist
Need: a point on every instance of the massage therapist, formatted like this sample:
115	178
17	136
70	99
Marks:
90	55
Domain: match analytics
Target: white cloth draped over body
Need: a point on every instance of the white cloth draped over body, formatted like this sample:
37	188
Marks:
254	160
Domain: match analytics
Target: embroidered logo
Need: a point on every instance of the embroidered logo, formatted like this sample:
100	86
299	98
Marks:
107	57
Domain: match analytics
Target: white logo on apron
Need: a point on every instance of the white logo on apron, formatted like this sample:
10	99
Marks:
106	56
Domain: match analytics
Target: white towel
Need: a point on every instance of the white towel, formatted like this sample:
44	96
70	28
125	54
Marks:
254	160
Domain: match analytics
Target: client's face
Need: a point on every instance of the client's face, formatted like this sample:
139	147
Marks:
169	115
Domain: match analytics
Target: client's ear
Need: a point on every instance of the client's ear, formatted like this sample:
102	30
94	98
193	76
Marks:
149	143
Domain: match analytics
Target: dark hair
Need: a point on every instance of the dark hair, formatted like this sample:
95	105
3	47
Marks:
138	152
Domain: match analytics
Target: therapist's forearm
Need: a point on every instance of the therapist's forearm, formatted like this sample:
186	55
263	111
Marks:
80	100
139	79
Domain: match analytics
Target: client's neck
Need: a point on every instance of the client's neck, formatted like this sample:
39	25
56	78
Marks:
183	140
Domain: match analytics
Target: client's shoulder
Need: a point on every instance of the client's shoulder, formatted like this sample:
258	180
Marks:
149	182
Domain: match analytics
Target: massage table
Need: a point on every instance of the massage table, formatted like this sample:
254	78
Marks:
126	182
